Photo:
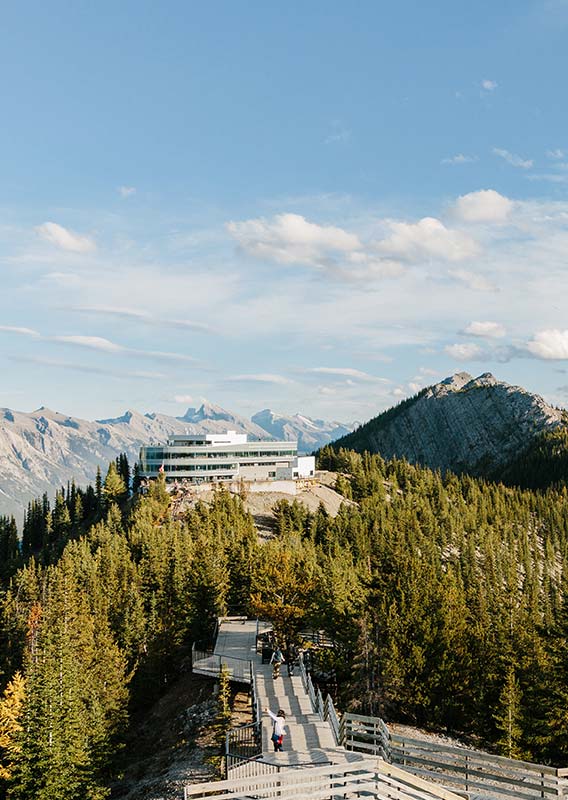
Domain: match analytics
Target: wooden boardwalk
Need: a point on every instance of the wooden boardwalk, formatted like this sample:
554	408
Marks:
403	768
331	770
308	737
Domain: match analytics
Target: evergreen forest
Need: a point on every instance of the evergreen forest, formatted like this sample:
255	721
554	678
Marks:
446	597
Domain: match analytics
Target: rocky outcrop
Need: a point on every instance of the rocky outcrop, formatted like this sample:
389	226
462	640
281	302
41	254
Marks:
463	424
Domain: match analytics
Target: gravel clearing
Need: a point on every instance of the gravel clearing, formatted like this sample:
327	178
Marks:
261	504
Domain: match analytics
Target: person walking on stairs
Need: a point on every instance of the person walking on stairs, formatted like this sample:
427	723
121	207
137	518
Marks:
278	730
276	660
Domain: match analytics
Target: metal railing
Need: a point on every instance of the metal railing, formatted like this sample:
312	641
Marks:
334	720
478	772
314	694
207	663
259	766
364	779
255	699
465	770
243	744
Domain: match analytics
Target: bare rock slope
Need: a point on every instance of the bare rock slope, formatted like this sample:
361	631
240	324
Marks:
462	424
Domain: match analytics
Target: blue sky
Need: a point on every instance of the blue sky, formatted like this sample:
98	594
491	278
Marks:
316	206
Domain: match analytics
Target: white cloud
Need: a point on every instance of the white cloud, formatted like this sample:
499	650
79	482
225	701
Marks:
513	159
485	205
126	191
291	239
183	398
19	331
549	344
261	377
460	158
550	177
160	355
65	239
362	266
485	330
106	346
62	278
343	372
557	154
477	282
426	238
464	352
489	85
143	317
88	368
92	342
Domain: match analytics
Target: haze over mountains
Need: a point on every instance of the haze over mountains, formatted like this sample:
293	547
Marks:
43	450
463	424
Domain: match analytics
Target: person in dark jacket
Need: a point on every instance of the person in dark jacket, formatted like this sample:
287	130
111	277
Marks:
276	660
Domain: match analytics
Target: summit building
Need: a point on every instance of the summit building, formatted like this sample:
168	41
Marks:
214	457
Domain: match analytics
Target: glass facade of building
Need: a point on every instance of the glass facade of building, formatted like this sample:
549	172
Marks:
219	457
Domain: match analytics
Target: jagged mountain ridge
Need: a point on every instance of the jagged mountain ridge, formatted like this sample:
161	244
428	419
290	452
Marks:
464	424
43	450
309	432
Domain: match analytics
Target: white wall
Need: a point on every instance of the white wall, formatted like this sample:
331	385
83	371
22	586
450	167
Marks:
306	466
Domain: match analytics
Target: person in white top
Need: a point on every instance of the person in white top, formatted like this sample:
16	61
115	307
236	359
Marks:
278	730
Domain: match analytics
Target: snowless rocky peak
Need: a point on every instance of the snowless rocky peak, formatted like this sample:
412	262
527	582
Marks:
464	381
311	434
454	383
265	416
460	424
125	419
207	411
487	379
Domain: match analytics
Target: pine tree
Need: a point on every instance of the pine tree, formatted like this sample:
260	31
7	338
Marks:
114	489
9	547
508	716
11	725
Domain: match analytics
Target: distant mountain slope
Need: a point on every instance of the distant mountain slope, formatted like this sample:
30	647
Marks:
310	433
43	450
477	425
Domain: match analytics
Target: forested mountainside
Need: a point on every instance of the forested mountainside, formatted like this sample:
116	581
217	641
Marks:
464	424
445	597
46	449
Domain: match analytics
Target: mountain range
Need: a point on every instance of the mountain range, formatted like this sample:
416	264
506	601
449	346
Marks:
42	450
481	425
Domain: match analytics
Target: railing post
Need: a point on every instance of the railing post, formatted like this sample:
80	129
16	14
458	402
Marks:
227	750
